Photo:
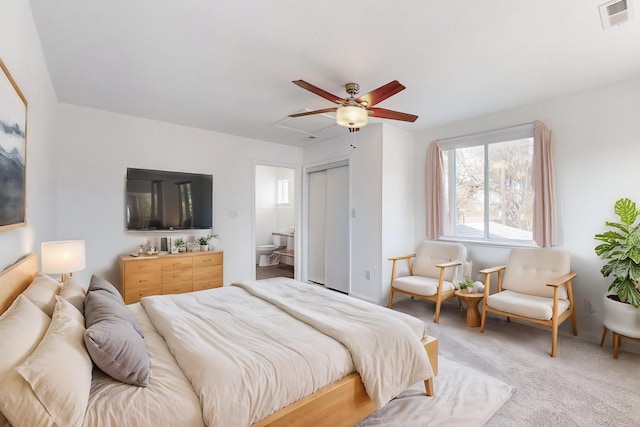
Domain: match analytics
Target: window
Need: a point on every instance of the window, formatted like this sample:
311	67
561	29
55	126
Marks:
283	191
488	186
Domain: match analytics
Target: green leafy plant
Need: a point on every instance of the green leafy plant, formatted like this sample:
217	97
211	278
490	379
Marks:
180	243
621	250
465	284
204	240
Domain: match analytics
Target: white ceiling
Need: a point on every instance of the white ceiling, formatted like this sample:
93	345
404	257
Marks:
227	65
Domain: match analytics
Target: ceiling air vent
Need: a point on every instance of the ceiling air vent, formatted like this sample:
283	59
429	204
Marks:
615	12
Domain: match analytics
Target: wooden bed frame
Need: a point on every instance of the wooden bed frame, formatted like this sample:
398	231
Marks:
344	402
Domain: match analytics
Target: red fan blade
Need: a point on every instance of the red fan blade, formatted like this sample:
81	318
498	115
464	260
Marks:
380	94
320	92
308	113
382	113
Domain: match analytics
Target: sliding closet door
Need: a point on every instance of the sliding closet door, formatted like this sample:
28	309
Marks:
329	241
337	230
317	208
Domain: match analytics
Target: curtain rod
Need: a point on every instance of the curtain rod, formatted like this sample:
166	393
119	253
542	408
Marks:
484	132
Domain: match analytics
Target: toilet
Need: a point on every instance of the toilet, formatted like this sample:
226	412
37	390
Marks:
265	253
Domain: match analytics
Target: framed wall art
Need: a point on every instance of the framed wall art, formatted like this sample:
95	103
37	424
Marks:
13	152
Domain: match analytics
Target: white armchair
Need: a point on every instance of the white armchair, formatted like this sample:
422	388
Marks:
432	273
537	287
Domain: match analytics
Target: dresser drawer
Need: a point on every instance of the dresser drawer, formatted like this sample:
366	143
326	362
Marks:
177	276
137	286
142	266
202	284
176	287
207	272
214	258
176	263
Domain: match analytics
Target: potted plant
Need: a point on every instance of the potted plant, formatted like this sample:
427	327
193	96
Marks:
466	285
204	241
621	251
181	244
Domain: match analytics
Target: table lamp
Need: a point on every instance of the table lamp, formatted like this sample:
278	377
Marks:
62	257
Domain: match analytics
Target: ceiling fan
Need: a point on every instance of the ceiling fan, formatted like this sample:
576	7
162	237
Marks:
353	112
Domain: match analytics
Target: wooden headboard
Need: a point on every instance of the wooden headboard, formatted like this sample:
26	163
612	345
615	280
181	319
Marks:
16	278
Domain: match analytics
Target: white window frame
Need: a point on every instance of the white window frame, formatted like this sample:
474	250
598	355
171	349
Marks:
485	139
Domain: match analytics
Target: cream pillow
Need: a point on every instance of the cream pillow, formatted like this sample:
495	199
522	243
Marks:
22	327
73	291
42	292
52	386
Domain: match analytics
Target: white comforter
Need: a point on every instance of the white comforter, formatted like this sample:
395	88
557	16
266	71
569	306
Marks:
246	357
384	350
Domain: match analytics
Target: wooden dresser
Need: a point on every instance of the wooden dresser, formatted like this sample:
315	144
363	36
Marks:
169	274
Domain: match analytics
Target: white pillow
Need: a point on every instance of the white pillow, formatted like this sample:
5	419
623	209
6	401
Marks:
42	292
52	386
22	327
73	291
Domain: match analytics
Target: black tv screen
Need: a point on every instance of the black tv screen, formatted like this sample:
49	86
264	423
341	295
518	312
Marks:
163	200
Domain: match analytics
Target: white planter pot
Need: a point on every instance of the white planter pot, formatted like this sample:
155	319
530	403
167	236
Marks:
204	247
621	318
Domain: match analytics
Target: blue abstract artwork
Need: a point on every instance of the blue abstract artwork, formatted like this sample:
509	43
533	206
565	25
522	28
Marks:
13	151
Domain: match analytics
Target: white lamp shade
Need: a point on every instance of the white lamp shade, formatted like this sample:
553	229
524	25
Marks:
63	256
352	116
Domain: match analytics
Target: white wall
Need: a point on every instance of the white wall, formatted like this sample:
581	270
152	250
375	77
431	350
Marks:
596	148
96	147
21	52
398	202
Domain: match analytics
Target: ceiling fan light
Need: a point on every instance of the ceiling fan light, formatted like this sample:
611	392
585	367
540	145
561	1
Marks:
352	116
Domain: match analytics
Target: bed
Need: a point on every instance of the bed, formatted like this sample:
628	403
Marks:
262	344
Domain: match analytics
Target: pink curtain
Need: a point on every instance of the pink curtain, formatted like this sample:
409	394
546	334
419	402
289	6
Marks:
543	209
434	191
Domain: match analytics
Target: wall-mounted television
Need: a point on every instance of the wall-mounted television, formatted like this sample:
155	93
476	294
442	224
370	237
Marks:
164	200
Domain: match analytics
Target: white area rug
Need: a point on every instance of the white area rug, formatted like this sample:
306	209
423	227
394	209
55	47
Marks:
464	397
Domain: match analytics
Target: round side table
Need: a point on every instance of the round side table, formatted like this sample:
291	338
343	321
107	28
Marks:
471	300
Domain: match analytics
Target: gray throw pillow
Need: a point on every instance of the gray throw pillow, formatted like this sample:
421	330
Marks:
112	342
101	285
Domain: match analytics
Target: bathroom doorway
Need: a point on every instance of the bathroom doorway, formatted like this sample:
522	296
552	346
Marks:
274	221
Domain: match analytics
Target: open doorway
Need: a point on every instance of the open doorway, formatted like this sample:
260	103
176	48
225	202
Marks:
275	219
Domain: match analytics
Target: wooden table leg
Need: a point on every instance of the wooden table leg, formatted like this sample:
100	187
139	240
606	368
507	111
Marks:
473	315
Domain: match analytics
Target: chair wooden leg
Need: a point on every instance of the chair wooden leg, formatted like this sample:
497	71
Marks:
429	388
604	335
574	323
483	320
554	340
390	297
436	317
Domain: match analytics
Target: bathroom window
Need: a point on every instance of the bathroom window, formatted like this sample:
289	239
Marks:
283	191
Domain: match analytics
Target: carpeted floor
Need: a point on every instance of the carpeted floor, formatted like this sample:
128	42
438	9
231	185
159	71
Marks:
582	386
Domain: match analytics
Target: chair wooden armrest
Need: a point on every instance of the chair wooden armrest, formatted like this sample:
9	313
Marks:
492	269
449	264
562	279
397	258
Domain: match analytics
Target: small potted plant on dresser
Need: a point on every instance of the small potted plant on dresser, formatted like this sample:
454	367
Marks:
204	241
621	251
181	244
